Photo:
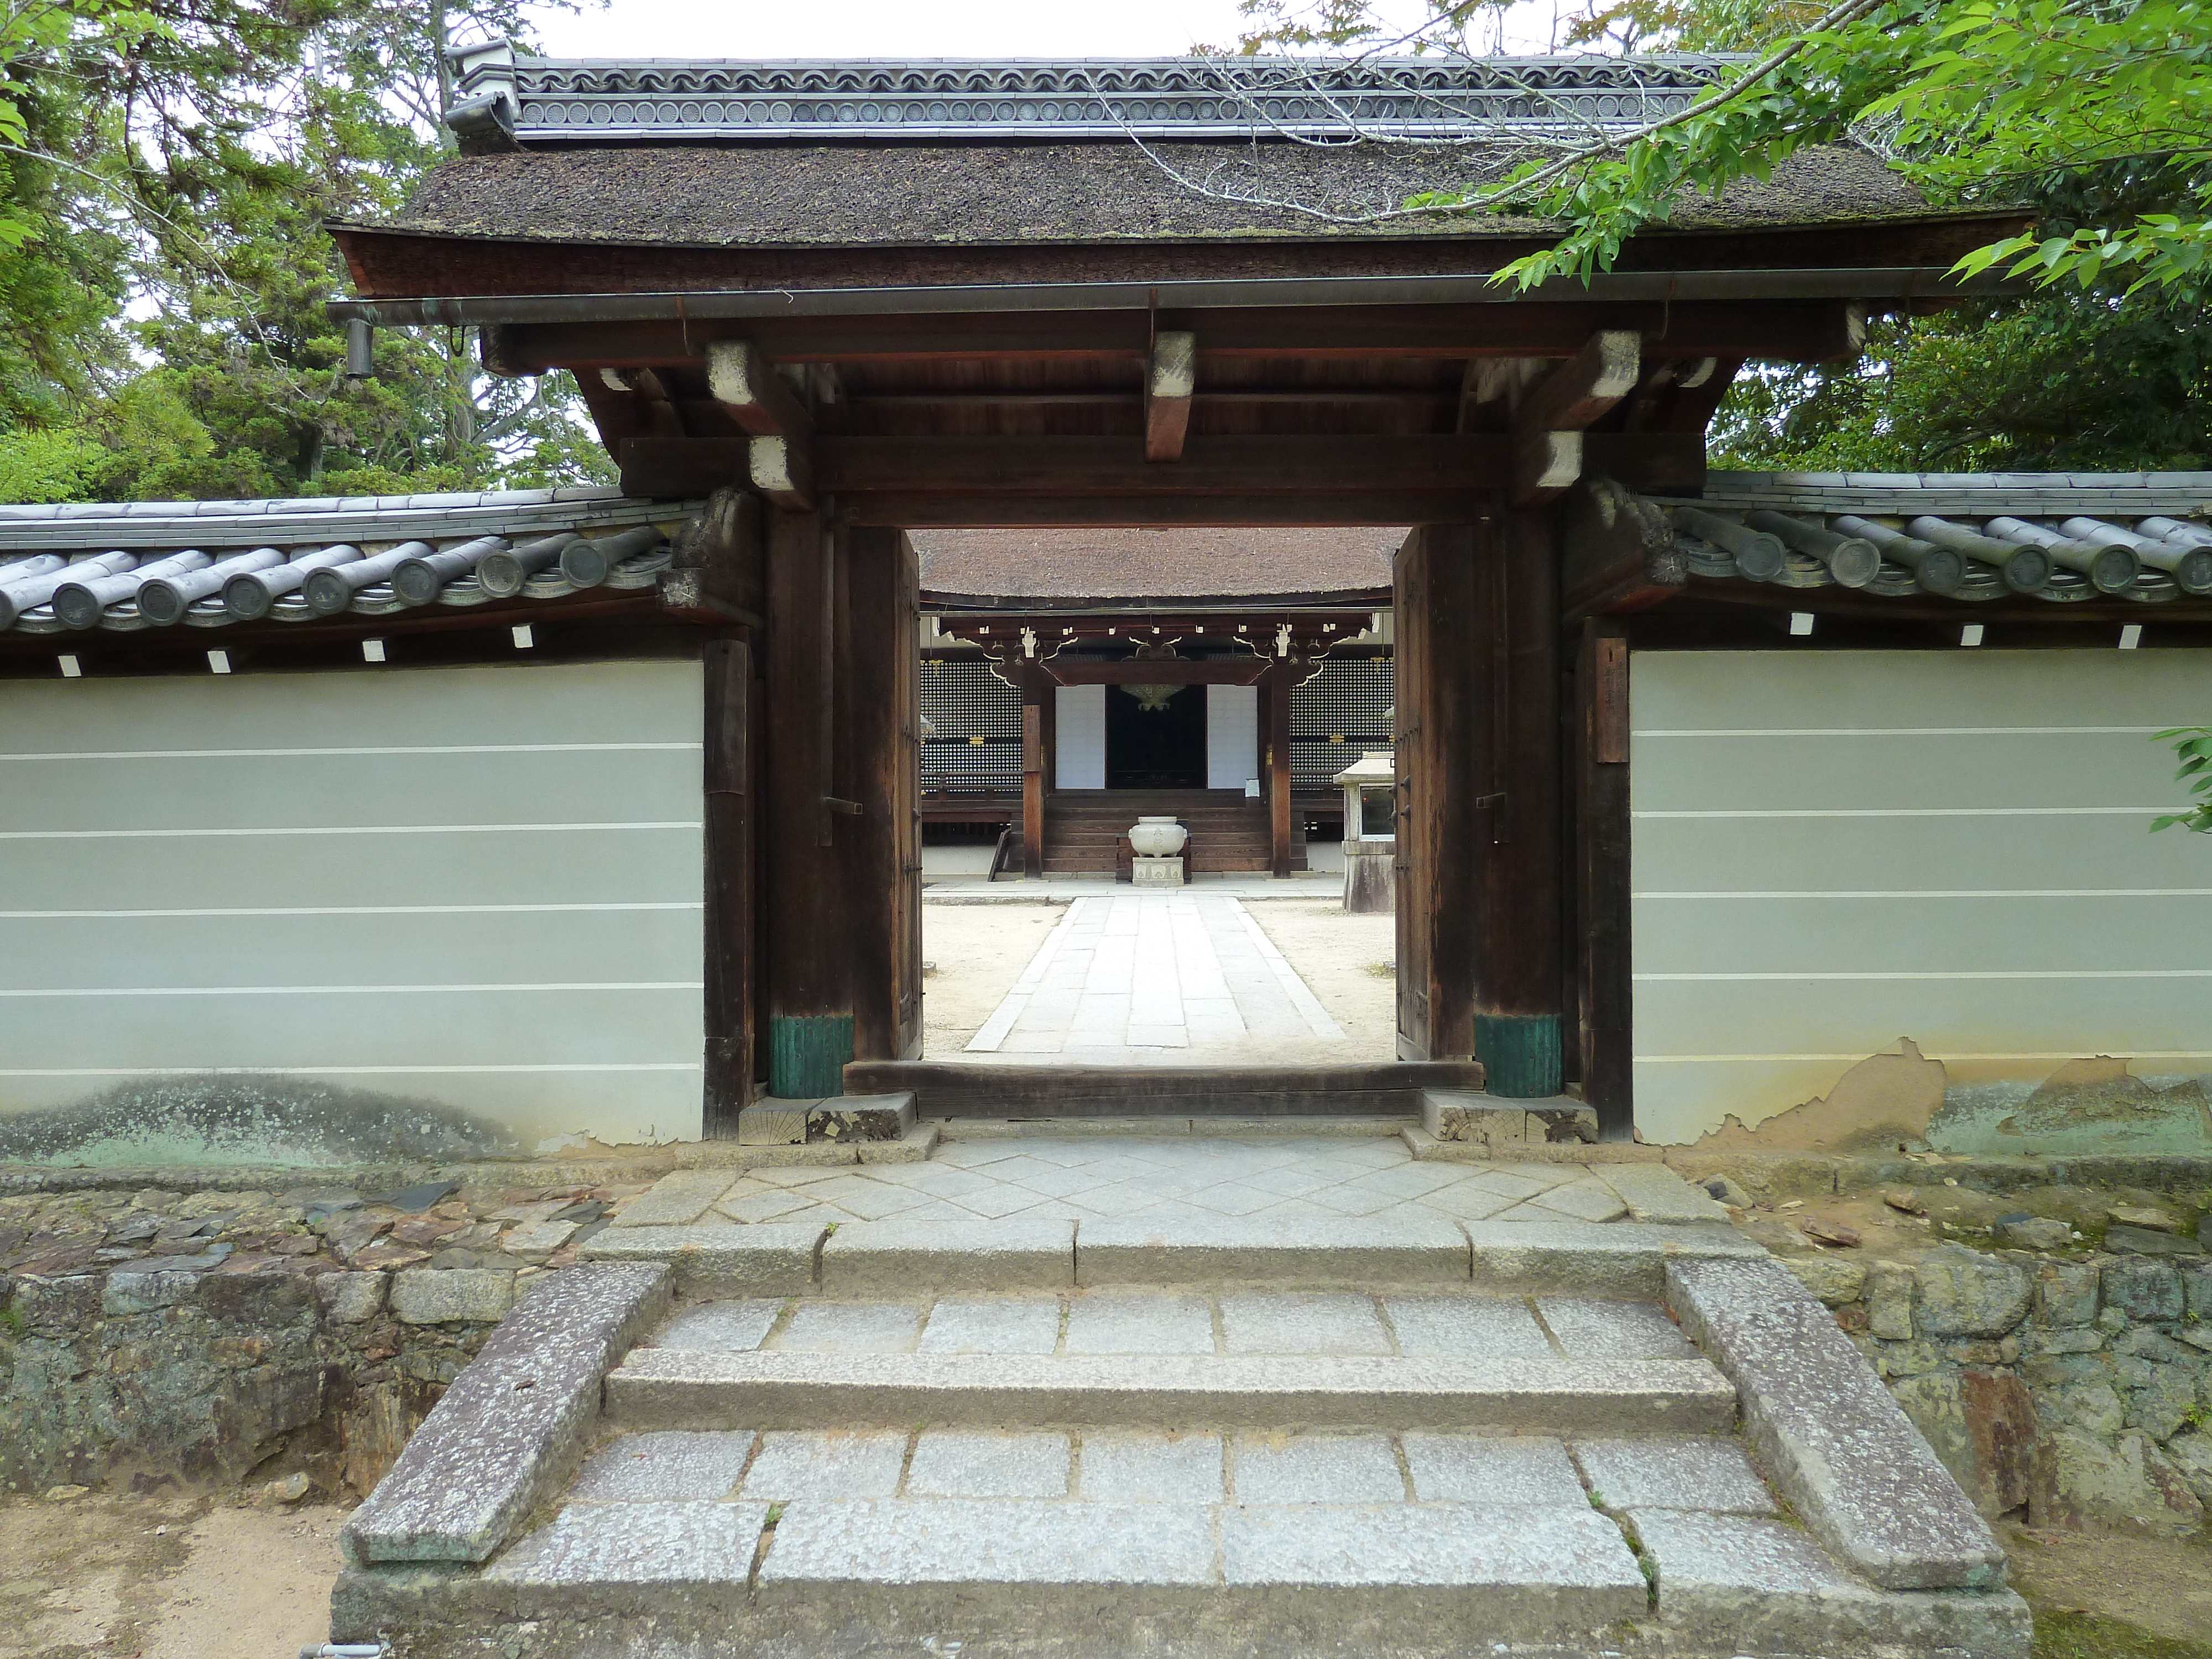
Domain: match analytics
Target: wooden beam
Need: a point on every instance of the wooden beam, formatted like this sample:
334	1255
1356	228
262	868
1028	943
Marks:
1308	465
717	571
1232	671
657	411
1796	330
759	399
1550	418
1544	464
1169	379
1617	553
782	469
1586	386
966	1088
1387	507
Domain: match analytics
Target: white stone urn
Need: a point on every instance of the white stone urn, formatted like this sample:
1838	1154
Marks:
1157	838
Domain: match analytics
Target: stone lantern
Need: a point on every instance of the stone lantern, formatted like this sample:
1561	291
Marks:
1371	834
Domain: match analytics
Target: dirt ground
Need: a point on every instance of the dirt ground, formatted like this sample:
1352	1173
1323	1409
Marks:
980	950
165	1576
977	952
174	1577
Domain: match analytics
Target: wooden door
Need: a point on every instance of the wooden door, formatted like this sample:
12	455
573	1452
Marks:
884	873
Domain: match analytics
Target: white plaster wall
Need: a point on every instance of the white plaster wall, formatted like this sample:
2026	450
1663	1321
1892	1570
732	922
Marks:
1835	849
1079	737
1232	735
476	886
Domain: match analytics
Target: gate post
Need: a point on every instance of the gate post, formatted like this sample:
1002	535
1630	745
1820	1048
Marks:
809	961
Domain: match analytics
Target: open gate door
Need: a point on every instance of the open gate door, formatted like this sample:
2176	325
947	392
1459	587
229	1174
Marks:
884	582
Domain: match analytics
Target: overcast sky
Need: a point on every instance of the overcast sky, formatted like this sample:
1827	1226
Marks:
902	28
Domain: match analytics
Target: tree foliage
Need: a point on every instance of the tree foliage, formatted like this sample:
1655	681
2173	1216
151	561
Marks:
165	270
2193	744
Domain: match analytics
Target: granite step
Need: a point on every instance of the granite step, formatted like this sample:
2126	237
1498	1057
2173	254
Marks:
1099	1542
1136	1356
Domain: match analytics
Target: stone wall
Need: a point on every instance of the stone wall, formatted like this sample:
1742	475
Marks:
2073	1383
149	1333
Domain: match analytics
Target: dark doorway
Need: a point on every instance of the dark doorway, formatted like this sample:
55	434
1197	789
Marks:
1154	741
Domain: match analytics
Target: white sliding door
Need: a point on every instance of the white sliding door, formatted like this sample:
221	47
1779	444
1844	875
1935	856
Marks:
1232	735
1079	737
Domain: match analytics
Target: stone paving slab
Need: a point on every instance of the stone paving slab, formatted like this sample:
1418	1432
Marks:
1658	1473
771	1258
953	1463
509	1432
820	1545
1432	1325
1143	1250
850	1327
658	1388
1139	1322
611	1547
1565	1567
986	1324
1153	1467
1612	1330
1287	1321
670	1465
1828	1434
676	1199
1019	1253
827	1463
1487	1470
1316	1468
1654	1192
720	1325
1622	1259
1760	1585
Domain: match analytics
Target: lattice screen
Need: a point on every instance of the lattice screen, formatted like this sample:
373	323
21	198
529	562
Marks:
978	717
1336	715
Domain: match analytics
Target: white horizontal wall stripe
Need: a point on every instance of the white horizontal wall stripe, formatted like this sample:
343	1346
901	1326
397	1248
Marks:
344	1071
2006	973
1951	893
1918	812
331	829
349	910
354	990
1896	731
295	754
1928	1054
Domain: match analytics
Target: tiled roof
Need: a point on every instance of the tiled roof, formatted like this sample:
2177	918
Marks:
126	565
551	100
1002	568
2060	537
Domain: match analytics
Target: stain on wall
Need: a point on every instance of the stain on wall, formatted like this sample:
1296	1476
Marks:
244	1118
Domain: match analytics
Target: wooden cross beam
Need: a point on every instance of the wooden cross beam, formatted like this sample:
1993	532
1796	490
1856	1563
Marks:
1169	379
779	460
1549	421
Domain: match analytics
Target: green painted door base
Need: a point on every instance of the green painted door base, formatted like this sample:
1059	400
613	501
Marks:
1520	1055
807	1054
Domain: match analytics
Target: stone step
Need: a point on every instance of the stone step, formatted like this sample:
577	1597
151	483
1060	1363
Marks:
1102	1543
1138	1355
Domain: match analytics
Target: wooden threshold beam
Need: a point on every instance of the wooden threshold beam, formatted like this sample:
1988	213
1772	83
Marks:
1169	379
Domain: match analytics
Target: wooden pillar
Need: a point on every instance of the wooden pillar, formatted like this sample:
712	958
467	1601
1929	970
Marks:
1276	696
808	946
1602	976
1036	693
732	928
883	868
1434	581
1514	648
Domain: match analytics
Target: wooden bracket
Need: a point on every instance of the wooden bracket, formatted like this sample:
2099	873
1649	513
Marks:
1170	379
782	470
1550	418
761	401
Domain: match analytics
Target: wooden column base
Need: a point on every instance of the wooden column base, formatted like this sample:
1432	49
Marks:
807	1055
1520	1055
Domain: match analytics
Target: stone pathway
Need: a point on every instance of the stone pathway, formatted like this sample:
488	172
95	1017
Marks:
1151	975
1091	1177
